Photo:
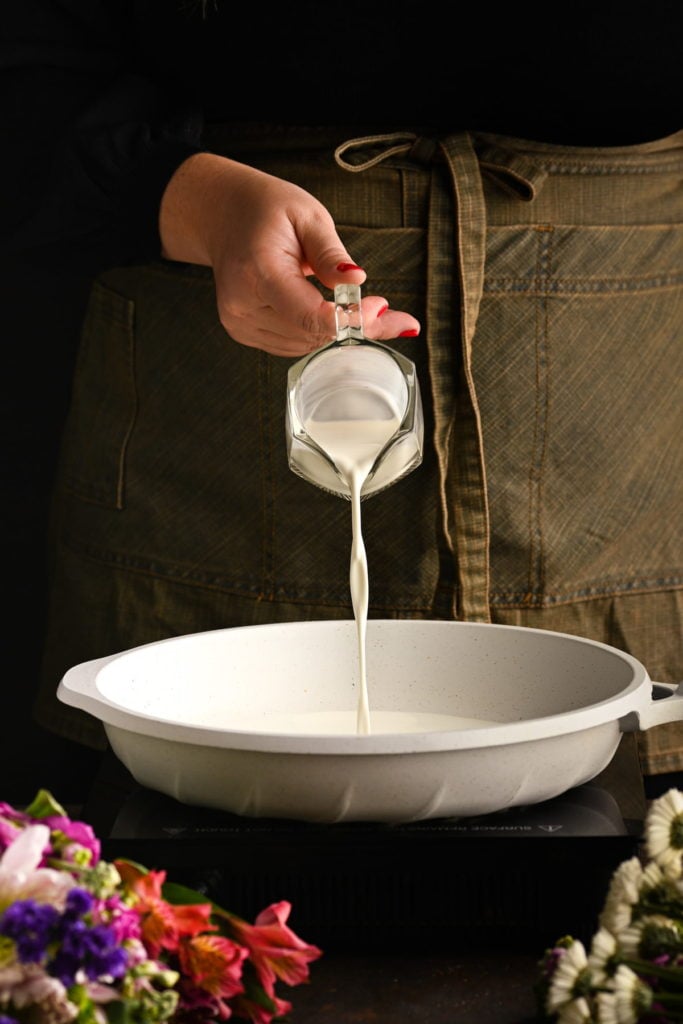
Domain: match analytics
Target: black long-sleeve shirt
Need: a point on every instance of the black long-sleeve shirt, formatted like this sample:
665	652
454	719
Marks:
101	100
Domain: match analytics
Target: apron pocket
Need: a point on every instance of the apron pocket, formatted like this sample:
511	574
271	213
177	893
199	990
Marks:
577	360
104	402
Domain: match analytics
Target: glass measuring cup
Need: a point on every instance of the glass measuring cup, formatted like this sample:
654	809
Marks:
363	385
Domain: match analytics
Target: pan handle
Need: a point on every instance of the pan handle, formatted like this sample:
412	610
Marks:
78	683
666	706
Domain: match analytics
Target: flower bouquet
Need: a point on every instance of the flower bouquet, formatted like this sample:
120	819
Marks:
633	970
85	940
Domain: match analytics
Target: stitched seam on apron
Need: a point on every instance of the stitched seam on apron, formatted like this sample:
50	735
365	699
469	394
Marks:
536	576
560	167
609	589
267	498
182	575
569	286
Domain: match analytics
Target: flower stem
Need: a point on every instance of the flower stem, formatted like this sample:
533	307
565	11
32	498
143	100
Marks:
645	967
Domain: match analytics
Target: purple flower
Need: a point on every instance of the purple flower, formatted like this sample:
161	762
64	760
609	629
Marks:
78	903
92	950
4	1019
32	926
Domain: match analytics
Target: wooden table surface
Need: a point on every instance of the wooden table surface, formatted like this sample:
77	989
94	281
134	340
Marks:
442	988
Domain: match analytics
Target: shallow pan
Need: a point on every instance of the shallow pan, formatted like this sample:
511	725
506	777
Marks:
205	717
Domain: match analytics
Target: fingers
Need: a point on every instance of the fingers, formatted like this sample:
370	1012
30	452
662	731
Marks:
266	298
290	327
283	316
252	333
381	323
332	265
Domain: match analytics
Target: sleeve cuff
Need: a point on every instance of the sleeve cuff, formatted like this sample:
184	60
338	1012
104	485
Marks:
142	200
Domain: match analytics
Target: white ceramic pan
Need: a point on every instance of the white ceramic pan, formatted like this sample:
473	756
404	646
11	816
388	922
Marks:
196	717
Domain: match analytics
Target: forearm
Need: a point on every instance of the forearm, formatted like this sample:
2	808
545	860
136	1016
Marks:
191	203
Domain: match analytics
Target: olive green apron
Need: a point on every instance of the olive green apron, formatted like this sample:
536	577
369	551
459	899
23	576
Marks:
548	283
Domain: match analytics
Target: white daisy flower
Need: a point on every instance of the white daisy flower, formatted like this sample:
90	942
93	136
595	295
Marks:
601	958
606	1008
576	1012
569	976
633	997
660	892
622	895
652	876
627	879
630	938
651	937
664	832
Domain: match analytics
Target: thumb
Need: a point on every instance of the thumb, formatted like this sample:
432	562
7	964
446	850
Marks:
326	257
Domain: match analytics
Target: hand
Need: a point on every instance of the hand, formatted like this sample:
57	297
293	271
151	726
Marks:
264	237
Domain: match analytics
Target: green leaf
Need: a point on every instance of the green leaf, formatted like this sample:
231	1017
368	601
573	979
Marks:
44	805
254	991
119	1013
175	893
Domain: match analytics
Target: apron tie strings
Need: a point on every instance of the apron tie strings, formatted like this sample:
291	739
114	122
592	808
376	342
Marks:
381	146
515	172
456	241
458	284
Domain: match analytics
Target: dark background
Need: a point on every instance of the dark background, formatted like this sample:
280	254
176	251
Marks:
40	312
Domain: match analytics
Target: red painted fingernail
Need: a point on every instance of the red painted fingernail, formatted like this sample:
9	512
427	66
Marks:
382	311
348	266
412	333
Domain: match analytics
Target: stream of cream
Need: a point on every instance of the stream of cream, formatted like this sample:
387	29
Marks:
354	445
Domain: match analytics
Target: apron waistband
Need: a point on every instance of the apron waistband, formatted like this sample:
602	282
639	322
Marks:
515	171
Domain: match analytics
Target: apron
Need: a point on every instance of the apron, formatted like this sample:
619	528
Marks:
548	283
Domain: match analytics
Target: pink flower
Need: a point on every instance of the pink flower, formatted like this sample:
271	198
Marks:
258	1014
162	924
8	833
11	814
123	920
213	964
275	951
12	822
73	832
20	876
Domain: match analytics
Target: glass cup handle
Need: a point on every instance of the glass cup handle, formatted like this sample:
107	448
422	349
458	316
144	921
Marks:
348	314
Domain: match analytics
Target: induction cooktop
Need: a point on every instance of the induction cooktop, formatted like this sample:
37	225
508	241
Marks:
525	875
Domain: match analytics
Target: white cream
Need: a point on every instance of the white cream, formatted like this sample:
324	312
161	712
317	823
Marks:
344	723
354	445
